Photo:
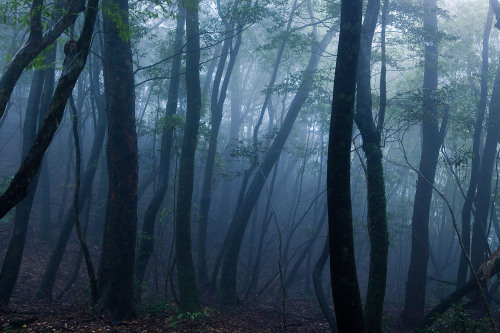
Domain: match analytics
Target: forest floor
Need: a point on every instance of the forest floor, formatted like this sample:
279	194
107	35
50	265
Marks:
262	316
72	314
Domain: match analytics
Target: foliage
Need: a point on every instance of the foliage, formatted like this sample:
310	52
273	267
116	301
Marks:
457	320
186	319
154	307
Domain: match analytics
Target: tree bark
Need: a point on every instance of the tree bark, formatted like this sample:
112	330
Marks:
377	217
431	142
345	289
116	269
480	247
188	293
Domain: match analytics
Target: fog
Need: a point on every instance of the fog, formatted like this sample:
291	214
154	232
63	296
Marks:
203	186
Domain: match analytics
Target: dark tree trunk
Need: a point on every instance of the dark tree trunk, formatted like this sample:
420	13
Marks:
480	247
48	90
476	142
377	218
189	301
345	289
147	237
431	142
240	219
116	269
23	210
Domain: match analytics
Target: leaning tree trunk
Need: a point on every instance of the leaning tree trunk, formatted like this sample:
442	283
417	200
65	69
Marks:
234	237
37	42
345	289
116	269
189	301
431	141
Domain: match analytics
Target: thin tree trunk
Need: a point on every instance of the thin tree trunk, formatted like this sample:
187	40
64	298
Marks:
37	42
318	286
216	108
147	237
475	163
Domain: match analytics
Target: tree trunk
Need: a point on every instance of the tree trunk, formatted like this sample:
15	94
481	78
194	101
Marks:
189	301
475	163
345	289
318	286
48	89
480	247
377	218
73	65
147	237
116	269
216	108
431	141
21	218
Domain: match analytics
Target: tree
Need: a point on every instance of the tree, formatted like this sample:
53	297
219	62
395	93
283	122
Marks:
370	132
37	42
74	62
189	301
475	163
432	138
218	98
116	268
345	289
